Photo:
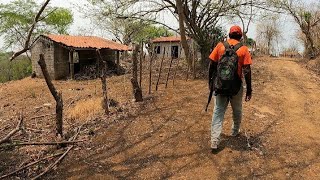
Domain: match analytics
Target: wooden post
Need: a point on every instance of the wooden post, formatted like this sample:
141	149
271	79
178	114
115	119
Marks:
177	66
140	63
159	76
175	71
169	71
57	96
71	64
194	62
103	77
137	92
118	62
152	55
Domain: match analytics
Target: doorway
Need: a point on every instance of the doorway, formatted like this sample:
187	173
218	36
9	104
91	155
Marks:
174	52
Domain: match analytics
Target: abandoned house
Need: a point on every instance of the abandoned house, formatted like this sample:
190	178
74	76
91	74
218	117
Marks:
171	46
67	55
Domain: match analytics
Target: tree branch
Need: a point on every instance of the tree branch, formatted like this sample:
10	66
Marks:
35	21
14	131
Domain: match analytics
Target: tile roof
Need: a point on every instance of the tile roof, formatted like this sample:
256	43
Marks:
168	39
87	42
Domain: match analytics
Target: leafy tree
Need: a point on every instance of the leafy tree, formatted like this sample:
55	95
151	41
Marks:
16	17
150	32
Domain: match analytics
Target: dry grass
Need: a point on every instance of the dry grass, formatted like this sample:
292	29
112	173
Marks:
85	109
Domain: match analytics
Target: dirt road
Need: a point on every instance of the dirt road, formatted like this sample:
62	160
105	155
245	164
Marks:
169	138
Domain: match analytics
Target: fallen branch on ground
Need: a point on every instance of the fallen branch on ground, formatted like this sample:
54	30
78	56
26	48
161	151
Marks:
37	117
41	143
14	131
34	130
60	158
30	164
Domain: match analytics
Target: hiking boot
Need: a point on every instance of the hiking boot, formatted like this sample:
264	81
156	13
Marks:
235	133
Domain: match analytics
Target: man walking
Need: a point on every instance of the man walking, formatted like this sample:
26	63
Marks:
230	61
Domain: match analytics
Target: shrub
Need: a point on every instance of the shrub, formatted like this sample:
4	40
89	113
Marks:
15	70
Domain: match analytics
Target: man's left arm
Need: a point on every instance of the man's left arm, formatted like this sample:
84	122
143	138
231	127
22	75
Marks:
247	77
247	74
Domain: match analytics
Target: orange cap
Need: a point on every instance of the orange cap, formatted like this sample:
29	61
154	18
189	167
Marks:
235	29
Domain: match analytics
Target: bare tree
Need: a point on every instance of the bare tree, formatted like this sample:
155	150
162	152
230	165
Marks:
200	17
307	16
268	33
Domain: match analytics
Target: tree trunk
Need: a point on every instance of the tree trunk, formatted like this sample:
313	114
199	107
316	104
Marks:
140	64
183	32
57	96
205	52
137	92
311	50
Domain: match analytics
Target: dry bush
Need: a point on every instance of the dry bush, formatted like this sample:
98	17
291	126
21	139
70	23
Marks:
314	65
84	110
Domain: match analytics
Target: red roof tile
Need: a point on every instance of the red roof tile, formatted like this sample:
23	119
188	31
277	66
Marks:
87	42
168	39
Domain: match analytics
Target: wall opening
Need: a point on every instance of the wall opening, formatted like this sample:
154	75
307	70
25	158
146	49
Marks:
174	52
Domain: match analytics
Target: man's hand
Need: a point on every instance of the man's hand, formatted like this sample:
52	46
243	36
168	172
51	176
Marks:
248	96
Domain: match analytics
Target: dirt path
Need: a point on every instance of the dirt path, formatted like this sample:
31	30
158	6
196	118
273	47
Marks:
169	138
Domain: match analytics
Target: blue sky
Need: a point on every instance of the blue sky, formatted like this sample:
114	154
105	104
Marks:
82	26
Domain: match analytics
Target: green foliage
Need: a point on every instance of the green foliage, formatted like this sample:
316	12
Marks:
17	16
59	20
18	69
150	32
307	16
250	42
117	17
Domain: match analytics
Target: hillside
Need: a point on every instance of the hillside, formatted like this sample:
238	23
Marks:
167	136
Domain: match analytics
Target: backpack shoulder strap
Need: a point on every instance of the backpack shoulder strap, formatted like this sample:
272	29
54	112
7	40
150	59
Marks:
226	45
238	46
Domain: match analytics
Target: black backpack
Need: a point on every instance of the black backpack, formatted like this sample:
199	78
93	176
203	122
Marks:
227	81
